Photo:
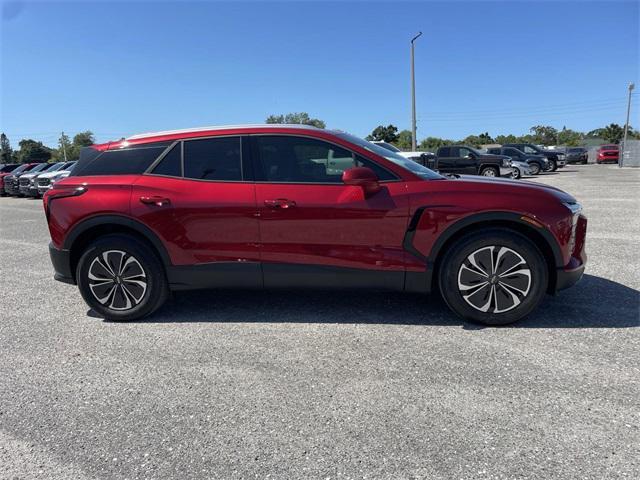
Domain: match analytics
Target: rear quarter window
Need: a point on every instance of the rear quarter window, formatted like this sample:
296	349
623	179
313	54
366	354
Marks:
122	161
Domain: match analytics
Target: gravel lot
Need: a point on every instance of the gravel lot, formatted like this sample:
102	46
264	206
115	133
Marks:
325	385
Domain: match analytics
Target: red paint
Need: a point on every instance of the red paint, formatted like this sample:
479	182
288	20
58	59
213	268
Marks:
608	154
342	225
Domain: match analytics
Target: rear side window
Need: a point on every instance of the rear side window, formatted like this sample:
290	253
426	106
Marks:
122	161
444	152
213	159
171	164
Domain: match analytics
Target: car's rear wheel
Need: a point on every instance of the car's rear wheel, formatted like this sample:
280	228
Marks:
535	168
490	172
120	278
494	277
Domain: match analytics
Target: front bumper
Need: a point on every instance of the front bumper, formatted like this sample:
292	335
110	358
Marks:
61	261
570	275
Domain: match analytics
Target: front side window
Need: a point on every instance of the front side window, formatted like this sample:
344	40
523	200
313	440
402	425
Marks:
307	160
215	159
512	152
531	150
465	152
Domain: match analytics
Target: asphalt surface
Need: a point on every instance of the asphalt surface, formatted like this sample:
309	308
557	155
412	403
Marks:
325	385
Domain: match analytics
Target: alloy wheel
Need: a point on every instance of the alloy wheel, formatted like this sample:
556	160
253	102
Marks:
117	280
494	279
489	172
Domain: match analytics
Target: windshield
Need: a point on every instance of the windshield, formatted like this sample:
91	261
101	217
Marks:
399	160
39	168
388	146
54	167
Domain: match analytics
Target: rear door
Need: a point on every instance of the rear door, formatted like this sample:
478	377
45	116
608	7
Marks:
199	198
312	226
447	159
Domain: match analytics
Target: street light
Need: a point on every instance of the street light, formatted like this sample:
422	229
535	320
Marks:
413	96
626	126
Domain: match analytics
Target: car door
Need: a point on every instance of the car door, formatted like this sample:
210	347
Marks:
317	231
514	153
200	200
447	159
466	161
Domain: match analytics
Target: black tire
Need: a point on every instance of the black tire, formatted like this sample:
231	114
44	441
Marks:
553	165
503	305
535	168
490	172
515	173
123	298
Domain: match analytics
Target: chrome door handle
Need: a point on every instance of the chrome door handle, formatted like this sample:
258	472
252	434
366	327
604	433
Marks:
280	203
155	200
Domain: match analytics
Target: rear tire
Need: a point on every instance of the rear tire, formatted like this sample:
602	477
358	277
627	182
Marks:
494	277
490	172
120	278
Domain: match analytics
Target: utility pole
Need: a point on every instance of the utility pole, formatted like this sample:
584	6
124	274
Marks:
64	148
626	127
413	96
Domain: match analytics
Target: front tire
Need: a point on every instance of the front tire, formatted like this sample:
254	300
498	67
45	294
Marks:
121	279
515	174
493	277
535	168
490	172
553	165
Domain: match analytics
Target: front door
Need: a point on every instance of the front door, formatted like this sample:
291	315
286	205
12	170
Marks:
466	161
316	231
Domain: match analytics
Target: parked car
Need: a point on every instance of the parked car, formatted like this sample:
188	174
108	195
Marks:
537	163
608	154
462	159
46	180
6	170
26	182
11	180
577	155
556	159
417	156
520	169
262	206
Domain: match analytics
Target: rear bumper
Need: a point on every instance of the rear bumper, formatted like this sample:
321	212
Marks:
61	261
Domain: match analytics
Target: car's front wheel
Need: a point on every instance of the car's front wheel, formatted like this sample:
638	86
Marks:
490	172
535	168
120	278
515	173
494	277
553	165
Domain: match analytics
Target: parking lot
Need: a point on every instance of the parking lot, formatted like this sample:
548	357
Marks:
325	385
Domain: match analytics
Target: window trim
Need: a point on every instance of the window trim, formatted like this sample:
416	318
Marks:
182	141
257	160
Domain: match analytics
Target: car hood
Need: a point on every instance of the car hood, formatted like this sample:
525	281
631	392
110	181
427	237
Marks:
29	175
520	187
53	174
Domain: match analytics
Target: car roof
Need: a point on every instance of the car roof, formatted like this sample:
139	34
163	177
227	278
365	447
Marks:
196	132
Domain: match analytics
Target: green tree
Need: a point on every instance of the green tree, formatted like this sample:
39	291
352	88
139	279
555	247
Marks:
569	137
80	140
502	139
64	146
431	144
478	140
6	152
301	118
384	134
404	140
32	151
612	133
544	134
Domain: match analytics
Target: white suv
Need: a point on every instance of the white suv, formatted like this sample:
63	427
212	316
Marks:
393	148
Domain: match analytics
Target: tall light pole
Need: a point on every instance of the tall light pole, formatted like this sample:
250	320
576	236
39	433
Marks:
413	96
626	126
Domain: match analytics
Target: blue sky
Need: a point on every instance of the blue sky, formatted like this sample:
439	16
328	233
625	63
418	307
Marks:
121	68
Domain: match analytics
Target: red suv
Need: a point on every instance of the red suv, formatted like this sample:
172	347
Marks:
273	206
608	154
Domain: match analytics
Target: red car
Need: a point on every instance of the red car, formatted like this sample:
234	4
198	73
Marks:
6	169
608	154
273	206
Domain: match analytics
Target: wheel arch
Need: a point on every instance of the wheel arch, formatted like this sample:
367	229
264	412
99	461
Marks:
542	238
88	230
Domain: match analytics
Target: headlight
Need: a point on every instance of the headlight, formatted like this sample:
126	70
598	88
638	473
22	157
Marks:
506	162
575	208
561	156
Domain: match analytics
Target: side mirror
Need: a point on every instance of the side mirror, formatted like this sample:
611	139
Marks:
362	177
469	156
